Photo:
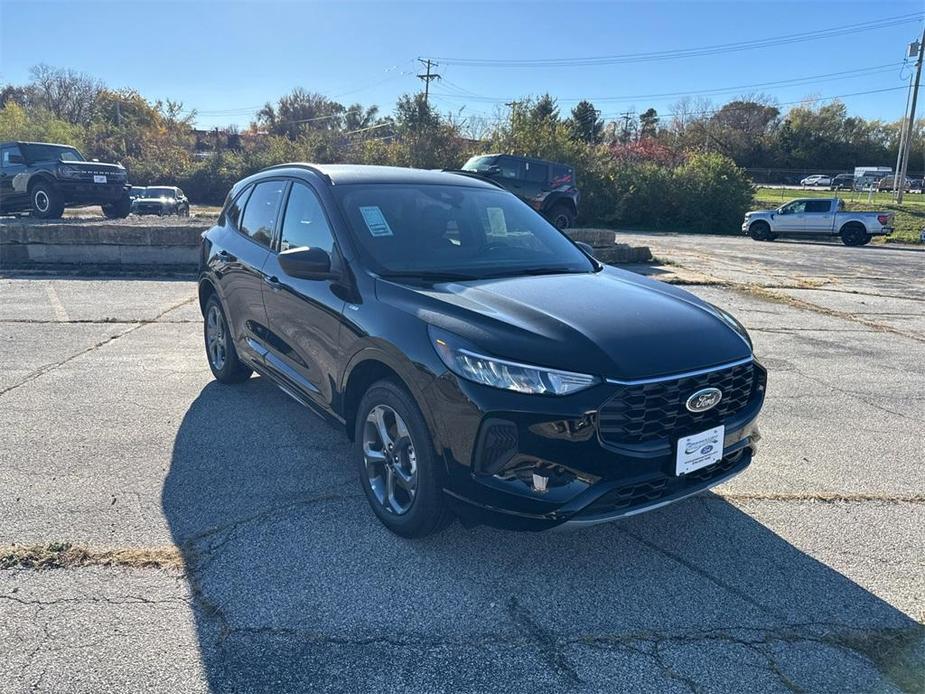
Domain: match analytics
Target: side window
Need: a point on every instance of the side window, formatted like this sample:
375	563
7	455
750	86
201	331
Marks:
180	193
535	173
818	205
796	207
5	154
509	167
233	213
304	223
260	213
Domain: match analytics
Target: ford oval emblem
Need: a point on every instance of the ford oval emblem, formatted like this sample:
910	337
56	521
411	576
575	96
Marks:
704	399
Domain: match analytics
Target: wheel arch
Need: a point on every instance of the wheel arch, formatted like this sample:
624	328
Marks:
40	177
556	199
206	289
374	364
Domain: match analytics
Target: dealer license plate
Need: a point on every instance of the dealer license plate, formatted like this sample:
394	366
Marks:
699	450
99	179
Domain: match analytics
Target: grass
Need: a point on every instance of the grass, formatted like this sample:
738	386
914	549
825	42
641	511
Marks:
62	555
910	216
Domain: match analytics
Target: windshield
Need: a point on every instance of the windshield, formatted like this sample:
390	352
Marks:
33	152
159	192
137	192
479	163
458	231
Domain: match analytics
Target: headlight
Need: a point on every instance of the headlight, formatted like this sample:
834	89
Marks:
68	172
733	323
467	362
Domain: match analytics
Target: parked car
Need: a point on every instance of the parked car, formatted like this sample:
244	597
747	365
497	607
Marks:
161	200
547	186
482	363
817	216
888	183
816	180
843	181
44	178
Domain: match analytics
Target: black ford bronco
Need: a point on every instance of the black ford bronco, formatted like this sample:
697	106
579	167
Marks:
45	178
548	187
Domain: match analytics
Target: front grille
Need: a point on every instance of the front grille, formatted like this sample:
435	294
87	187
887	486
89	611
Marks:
652	411
650	492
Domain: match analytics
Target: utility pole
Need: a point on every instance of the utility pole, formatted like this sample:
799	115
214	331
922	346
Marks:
627	117
427	76
910	121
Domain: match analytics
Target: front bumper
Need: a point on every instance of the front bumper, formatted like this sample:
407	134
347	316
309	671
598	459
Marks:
88	193
494	442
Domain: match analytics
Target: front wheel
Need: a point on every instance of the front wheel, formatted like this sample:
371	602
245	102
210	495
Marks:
46	201
761	231
223	357
399	469
562	217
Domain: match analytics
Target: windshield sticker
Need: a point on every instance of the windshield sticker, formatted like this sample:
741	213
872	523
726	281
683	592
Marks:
496	221
375	221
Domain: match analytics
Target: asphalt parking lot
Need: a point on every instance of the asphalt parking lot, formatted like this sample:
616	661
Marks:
806	573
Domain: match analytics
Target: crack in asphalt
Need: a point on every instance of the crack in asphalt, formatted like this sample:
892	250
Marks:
48	368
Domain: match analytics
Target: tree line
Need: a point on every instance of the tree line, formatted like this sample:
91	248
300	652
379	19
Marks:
683	169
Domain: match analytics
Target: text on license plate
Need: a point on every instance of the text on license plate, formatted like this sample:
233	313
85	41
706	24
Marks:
99	179
699	450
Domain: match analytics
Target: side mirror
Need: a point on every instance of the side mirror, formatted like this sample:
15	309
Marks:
307	263
585	247
17	159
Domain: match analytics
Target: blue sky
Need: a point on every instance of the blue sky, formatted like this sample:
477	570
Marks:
224	58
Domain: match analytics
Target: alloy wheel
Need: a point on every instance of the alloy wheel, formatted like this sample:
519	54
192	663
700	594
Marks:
390	460
216	336
41	201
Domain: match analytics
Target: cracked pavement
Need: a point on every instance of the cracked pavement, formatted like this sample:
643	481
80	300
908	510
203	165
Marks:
806	573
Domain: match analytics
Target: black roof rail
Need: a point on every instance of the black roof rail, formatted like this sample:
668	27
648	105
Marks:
301	165
474	174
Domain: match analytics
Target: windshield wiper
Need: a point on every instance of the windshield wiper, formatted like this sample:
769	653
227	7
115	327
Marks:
435	275
515	272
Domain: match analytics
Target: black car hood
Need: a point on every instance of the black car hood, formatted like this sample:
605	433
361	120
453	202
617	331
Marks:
612	323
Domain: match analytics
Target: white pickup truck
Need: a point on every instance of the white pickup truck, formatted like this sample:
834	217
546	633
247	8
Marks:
817	216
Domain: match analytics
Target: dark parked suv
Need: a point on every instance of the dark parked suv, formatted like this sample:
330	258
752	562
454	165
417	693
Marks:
482	363
548	187
45	178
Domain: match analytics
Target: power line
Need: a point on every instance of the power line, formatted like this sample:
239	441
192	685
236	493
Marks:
795	81
786	39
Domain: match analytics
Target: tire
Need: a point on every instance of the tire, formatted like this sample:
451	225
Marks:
220	352
46	201
854	235
561	216
415	506
183	212
761	231
119	209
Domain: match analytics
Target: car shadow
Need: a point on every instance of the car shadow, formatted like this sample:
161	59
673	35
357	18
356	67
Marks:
297	587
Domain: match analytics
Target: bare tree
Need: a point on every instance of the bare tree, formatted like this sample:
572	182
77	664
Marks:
68	94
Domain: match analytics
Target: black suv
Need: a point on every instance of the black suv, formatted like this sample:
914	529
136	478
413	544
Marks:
160	200
843	181
45	178
548	187
482	363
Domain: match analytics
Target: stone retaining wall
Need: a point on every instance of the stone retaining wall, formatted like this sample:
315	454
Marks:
148	243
